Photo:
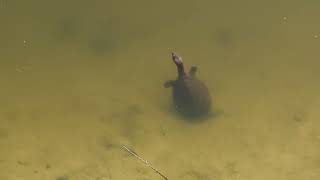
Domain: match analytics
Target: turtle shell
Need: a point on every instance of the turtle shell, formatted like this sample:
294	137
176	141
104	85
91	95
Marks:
191	97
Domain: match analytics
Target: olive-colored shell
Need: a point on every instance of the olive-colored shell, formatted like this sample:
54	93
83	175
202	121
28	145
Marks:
191	97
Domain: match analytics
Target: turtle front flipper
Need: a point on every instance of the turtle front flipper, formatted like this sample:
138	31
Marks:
193	71
169	83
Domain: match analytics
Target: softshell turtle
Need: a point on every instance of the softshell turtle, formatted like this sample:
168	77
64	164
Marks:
190	95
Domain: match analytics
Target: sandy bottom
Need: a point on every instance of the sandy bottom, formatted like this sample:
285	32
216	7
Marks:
73	93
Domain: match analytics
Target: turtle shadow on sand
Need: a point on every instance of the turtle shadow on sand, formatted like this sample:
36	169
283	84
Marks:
191	97
212	114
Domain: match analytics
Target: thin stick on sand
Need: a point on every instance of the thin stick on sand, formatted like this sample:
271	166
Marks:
144	161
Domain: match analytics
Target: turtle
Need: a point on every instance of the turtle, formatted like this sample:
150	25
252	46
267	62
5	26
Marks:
190	95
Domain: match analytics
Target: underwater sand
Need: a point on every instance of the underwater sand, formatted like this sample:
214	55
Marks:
81	79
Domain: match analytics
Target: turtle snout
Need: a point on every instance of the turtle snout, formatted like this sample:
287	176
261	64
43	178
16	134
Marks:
176	59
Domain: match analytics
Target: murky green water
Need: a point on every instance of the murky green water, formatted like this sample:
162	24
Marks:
80	79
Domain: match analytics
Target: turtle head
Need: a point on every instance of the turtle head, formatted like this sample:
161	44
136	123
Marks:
176	59
179	63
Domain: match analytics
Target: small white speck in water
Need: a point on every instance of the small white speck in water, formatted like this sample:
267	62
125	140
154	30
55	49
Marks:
285	19
316	36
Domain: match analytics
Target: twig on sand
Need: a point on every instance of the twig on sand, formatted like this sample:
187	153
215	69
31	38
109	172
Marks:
144	161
